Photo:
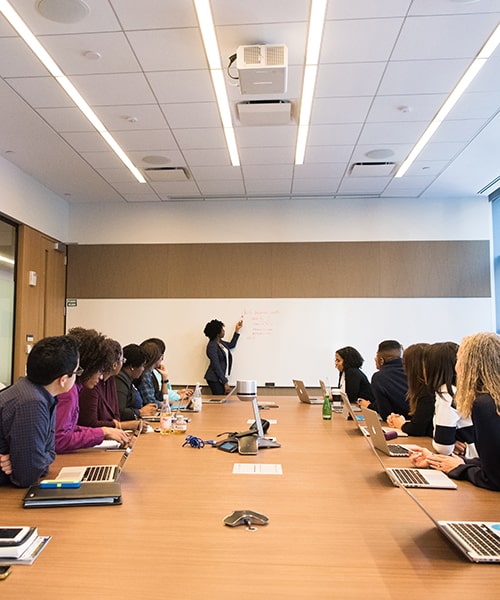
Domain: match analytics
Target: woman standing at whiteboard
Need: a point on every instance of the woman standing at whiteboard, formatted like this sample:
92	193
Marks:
352	380
219	355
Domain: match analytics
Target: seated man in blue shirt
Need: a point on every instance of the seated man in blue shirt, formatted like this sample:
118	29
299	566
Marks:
28	411
389	383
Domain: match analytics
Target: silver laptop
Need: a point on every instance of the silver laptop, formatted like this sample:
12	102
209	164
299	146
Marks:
304	397
414	478
350	411
377	434
100	473
479	541
219	400
333	394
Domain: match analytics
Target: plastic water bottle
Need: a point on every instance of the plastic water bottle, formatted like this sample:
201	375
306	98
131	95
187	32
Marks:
327	409
165	416
197	402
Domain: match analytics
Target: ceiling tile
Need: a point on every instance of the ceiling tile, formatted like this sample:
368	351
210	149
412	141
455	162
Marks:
385	69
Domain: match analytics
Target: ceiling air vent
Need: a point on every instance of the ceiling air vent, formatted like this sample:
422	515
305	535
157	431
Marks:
265	112
168	174
371	169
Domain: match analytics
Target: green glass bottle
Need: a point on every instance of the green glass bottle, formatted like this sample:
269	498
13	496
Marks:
327	409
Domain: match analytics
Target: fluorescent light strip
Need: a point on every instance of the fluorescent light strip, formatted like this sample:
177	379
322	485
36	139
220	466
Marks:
207	28
464	82
314	38
22	29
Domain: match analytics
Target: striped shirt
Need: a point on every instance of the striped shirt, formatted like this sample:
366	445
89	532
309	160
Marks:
450	426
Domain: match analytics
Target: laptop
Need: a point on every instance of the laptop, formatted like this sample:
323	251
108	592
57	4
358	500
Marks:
479	541
333	394
349	410
414	478
219	400
302	393
374	429
100	473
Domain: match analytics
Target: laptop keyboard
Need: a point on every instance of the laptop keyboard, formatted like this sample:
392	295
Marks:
397	450
478	536
409	477
98	473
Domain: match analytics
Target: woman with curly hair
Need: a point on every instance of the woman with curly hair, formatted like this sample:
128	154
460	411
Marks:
352	380
477	397
95	359
219	355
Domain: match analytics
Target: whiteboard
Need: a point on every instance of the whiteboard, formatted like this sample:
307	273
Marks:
282	339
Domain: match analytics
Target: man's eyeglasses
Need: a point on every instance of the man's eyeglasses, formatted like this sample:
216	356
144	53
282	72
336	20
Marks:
78	372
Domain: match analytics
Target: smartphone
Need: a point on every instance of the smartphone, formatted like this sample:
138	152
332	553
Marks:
4	572
12	535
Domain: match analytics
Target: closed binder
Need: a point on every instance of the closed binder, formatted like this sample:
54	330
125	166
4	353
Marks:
88	494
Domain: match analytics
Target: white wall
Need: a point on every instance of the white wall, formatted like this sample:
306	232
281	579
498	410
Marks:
332	322
282	221
25	200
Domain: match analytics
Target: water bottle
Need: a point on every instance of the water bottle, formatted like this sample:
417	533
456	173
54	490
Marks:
180	424
327	409
196	400
165	416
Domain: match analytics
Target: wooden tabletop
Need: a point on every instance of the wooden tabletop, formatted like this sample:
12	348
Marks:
337	527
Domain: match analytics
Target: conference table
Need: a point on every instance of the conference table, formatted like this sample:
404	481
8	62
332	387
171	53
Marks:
337	527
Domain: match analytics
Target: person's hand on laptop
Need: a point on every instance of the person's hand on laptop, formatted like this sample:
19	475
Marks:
444	463
363	403
149	410
111	433
419	457
186	393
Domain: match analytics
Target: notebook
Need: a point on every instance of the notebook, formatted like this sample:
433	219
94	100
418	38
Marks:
415	478
100	473
302	393
479	541
219	400
88	494
374	429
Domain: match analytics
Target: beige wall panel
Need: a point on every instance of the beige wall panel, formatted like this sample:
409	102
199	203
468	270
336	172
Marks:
118	271
324	270
281	270
451	269
220	271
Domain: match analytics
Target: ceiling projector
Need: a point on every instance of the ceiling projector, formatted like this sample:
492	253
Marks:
262	69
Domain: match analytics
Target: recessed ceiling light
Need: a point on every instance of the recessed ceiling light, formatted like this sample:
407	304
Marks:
380	153
155	160
63	11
